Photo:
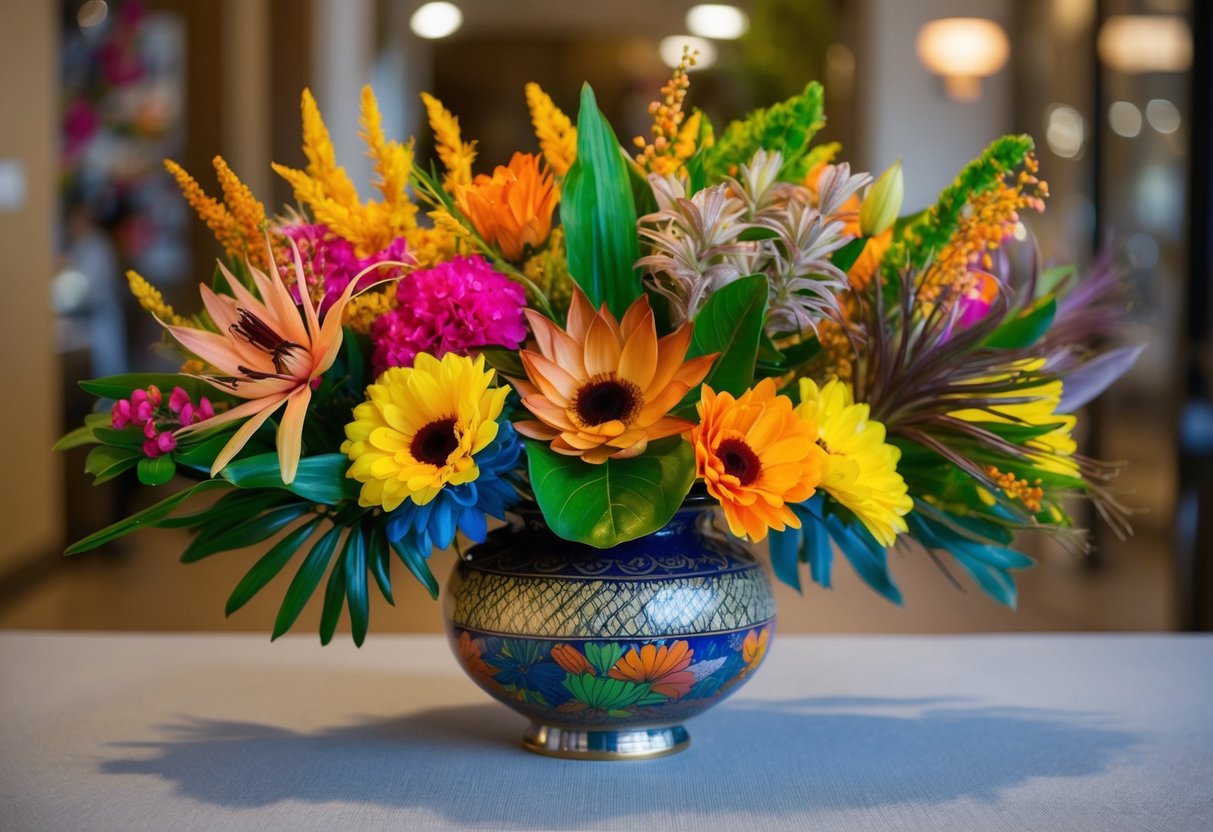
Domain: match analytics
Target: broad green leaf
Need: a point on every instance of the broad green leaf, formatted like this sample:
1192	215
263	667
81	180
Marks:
244	533
334	599
148	517
355	583
270	564
621	499
105	462
505	362
846	256
306	580
82	435
731	324
121	386
416	561
599	215
320	479
1025	329
157	470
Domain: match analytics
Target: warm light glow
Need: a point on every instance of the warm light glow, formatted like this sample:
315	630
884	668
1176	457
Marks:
1133	43
716	20
1064	131
92	13
436	20
1124	118
671	51
963	50
1162	115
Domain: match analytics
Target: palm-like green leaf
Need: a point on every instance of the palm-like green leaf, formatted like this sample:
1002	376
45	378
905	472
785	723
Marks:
306	580
265	569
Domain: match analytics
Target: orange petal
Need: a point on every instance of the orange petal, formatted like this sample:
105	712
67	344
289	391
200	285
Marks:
581	314
535	430
638	360
241	437
290	433
556	384
601	349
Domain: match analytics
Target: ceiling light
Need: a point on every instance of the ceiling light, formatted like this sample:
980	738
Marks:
1064	131
1162	115
436	20
963	50
671	51
1124	118
716	20
1135	43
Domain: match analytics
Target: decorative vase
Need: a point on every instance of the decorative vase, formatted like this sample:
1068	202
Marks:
607	651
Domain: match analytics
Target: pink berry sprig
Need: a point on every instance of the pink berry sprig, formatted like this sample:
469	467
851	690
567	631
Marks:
159	420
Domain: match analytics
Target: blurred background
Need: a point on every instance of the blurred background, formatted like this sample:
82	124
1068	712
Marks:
95	93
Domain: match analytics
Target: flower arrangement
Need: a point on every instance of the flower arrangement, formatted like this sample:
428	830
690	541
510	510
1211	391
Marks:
599	334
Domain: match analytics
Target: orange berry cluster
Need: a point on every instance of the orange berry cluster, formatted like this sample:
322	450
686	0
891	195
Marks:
1030	494
663	152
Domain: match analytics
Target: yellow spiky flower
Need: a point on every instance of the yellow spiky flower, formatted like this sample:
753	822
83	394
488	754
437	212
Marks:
556	133
456	155
327	191
150	299
674	136
211	211
246	210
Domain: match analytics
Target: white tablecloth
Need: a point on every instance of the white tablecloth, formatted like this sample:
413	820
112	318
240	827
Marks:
851	733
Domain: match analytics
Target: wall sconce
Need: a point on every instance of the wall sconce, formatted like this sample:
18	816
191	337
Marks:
1135	43
962	51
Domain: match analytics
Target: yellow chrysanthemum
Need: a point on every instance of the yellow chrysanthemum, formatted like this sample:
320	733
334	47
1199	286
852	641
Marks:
1054	451
860	468
556	133
420	427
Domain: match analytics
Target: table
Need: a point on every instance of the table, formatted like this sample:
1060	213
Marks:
971	733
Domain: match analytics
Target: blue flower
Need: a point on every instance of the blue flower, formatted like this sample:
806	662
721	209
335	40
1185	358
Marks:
463	507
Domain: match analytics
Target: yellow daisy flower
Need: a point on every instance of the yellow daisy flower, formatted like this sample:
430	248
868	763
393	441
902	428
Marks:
861	468
420	427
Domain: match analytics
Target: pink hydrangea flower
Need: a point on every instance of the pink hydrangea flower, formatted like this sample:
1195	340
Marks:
458	306
330	261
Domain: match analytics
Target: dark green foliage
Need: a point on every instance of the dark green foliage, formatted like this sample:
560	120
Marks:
787	127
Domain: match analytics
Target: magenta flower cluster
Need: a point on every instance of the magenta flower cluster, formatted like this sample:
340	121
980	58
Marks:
147	410
458	306
330	262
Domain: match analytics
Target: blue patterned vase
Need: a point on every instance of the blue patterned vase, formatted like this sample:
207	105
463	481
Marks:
608	651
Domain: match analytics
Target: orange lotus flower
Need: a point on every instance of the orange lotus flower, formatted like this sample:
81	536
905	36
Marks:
572	660
602	388
267	353
754	648
664	668
513	207
756	455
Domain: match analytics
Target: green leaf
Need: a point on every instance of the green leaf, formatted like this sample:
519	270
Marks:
355	583
846	256
379	557
787	127
334	599
269	565
320	479
82	435
505	362
416	561
245	533
148	517
121	386
1025	329
731	324
306	580
598	214
157	470
105	462
231	508
621	499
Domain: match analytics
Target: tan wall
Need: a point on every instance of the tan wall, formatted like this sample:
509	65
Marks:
30	500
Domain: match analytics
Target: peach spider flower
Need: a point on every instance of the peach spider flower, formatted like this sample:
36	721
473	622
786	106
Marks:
604	388
267	354
513	207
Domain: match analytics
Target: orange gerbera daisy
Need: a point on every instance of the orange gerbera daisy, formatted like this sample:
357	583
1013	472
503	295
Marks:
756	455
664	668
513	207
572	660
604	388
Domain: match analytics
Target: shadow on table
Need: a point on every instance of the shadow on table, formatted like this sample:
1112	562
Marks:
810	755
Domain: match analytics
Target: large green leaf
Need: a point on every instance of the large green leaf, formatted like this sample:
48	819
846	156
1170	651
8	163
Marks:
731	324
306	580
621	499
105	462
148	517
599	215
319	478
1026	328
264	570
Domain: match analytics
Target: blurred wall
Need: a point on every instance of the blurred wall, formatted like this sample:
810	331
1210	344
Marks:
906	112
31	508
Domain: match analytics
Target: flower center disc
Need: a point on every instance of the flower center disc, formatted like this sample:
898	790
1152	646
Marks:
739	460
434	442
607	399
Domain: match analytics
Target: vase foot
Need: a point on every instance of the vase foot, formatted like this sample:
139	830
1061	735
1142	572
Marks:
626	744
